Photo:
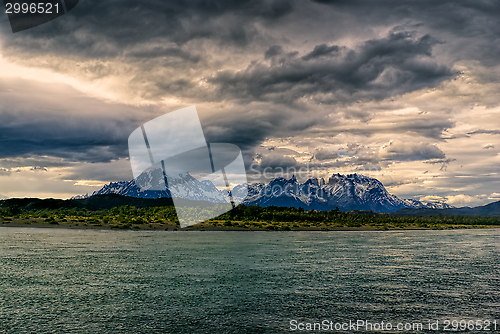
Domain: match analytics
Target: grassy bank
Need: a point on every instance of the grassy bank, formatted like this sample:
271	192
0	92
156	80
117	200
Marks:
240	218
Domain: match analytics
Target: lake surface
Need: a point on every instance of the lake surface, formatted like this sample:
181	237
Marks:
87	281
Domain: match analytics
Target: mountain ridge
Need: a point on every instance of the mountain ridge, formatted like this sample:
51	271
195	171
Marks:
491	209
105	202
347	192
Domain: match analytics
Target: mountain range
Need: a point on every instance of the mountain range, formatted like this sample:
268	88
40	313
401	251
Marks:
492	209
347	192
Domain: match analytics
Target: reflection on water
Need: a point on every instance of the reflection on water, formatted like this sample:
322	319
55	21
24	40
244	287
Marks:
70	281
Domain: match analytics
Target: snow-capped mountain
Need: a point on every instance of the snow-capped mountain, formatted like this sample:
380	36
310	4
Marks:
347	192
151	185
127	188
414	204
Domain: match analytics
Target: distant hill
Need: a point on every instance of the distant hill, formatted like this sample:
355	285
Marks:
94	203
492	209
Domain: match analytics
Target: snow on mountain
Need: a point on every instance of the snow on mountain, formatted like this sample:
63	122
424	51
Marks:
188	187
414	204
151	185
347	192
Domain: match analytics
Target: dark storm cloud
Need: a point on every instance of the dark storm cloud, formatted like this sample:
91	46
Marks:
105	28
57	121
392	152
278	161
149	40
444	163
143	33
289	165
153	35
483	131
324	154
273	51
432	126
379	68
157	52
321	50
474	22
242	126
65	137
405	151
457	16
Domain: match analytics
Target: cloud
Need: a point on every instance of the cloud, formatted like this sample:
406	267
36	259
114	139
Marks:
278	161
116	170
463	200
159	51
378	68
58	121
406	151
104	29
431	198
273	51
39	168
324	154
494	196
321	50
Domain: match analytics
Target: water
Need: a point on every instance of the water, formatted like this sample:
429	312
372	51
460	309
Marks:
70	281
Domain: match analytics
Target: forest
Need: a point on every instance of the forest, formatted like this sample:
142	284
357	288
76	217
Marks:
240	218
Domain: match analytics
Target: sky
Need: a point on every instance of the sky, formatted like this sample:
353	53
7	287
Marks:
404	91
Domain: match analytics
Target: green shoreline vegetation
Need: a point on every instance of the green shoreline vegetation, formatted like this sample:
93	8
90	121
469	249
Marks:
241	218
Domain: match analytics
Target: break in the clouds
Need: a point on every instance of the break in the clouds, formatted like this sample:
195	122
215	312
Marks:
407	90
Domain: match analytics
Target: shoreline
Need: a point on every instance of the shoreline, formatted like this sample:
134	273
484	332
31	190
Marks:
210	226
